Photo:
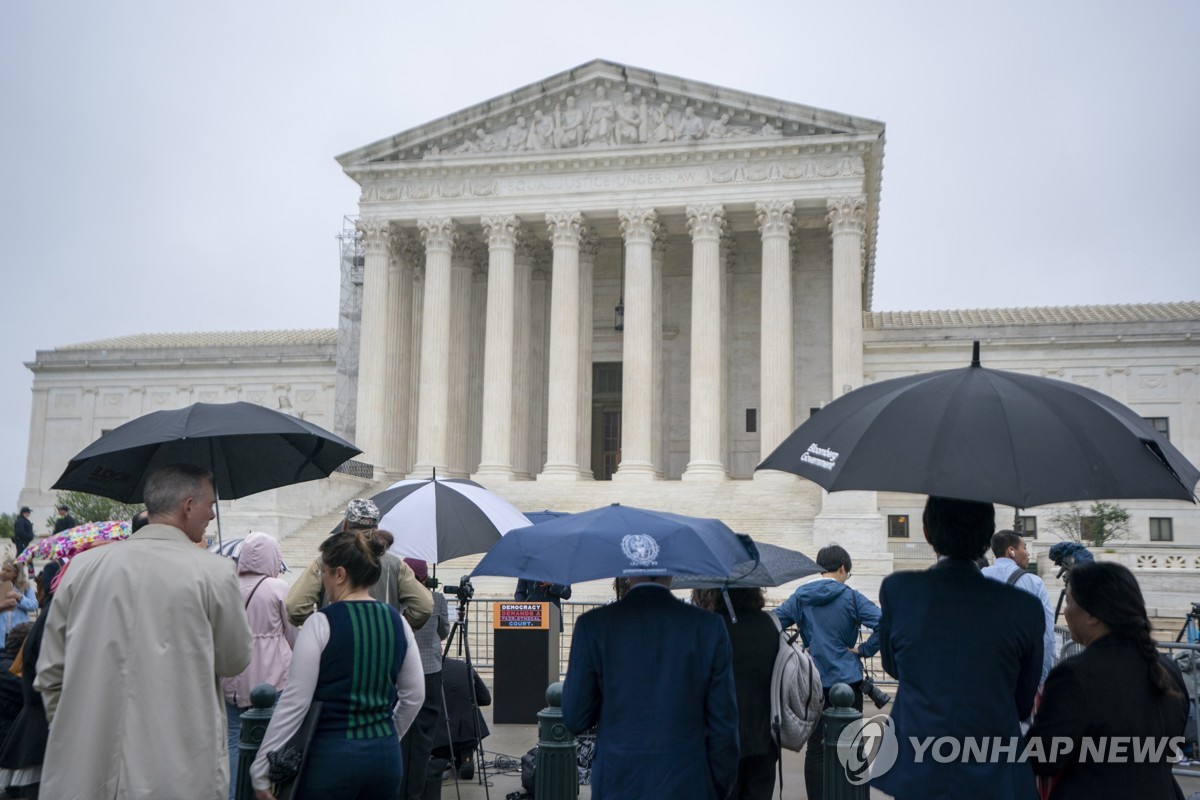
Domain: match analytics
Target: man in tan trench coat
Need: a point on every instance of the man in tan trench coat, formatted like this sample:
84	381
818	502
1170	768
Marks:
137	637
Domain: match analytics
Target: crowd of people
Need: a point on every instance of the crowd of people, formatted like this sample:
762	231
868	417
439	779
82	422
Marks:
133	678
680	694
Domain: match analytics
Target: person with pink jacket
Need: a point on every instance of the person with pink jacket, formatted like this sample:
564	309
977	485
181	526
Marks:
264	595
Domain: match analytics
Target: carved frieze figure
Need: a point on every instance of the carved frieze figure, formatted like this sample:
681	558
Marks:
659	124
719	128
568	126
629	118
689	126
541	132
483	142
517	135
600	117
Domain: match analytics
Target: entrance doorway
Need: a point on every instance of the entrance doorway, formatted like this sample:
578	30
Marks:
606	419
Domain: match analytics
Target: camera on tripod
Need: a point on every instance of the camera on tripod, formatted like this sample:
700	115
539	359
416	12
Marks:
878	696
464	591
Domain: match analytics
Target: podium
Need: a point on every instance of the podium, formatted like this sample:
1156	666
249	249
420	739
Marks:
525	652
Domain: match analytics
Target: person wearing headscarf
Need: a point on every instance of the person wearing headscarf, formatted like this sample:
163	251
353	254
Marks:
1118	689
24	749
264	596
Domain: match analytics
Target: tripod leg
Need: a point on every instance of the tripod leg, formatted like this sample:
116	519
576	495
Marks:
474	700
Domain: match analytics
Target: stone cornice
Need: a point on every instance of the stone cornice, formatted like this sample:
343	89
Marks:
826	153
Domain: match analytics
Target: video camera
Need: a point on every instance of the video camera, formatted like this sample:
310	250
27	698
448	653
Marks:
464	591
878	696
1067	555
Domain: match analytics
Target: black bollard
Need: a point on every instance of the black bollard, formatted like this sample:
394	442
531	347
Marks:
254	727
836	717
556	775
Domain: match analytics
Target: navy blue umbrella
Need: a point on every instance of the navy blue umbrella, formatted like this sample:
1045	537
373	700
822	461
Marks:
774	566
538	517
616	541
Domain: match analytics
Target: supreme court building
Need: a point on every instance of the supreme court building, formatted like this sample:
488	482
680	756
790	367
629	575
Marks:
612	274
616	285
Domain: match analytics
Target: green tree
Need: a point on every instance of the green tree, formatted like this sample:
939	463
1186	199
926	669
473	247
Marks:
92	508
1098	524
6	525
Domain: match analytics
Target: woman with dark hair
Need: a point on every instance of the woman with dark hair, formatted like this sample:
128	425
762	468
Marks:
24	748
755	639
359	659
1118	687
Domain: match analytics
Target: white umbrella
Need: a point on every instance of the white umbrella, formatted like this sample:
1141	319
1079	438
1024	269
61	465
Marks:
437	519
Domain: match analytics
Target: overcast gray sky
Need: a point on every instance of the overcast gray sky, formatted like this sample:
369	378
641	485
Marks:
169	166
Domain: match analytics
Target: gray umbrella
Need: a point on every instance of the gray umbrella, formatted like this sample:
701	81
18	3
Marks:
775	566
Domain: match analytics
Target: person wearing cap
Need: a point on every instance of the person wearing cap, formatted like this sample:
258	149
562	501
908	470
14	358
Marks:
65	521
22	529
418	741
397	586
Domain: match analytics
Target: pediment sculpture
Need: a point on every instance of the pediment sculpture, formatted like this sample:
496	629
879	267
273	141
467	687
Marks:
596	120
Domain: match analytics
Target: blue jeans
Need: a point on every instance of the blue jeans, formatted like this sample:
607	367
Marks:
352	769
234	715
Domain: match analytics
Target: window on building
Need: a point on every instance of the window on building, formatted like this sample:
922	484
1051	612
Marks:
751	420
1160	424
606	377
1161	529
897	526
1028	527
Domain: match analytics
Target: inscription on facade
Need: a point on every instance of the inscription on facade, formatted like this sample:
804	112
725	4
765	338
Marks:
804	169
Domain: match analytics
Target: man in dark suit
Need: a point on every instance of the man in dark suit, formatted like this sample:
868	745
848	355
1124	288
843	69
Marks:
65	521
656	675
968	654
23	529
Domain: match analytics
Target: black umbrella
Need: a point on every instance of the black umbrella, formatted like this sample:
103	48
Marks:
248	448
986	435
774	566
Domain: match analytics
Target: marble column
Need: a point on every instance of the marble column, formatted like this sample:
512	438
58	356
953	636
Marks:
852	519
589	248
398	384
539	397
658	258
707	404
641	340
847	223
562	412
777	404
433	434
34	477
370	423
479	279
522	370
414	352
464	257
496	454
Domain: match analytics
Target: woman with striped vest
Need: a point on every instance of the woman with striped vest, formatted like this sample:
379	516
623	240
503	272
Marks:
359	659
